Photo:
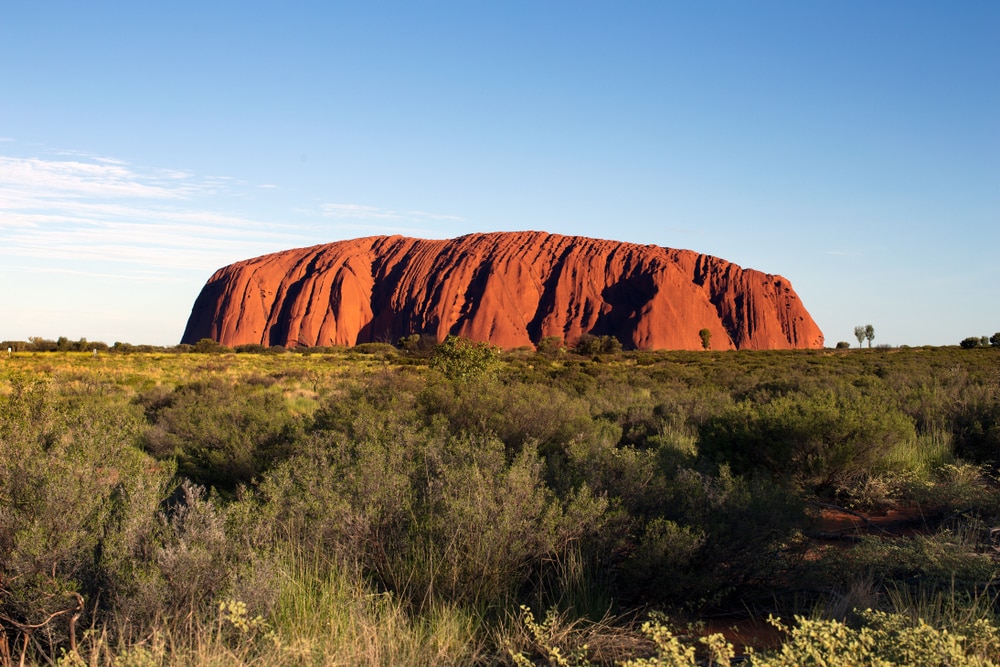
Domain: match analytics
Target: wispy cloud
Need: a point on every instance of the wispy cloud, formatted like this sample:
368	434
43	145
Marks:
72	178
102	209
59	213
138	275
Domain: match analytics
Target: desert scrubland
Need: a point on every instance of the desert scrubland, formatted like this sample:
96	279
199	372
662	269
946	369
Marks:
454	504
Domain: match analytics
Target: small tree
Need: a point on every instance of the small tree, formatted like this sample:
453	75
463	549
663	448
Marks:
460	358
859	333
39	344
869	334
970	342
590	345
995	339
420	345
550	345
706	338
209	345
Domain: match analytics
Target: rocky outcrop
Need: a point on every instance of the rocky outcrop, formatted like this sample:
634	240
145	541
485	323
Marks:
509	288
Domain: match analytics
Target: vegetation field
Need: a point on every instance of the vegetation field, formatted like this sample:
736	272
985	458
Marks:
451	504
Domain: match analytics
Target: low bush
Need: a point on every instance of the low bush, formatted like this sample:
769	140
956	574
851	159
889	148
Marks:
375	348
432	517
551	346
221	434
976	422
251	348
816	442
879	638
589	345
517	413
717	536
462	359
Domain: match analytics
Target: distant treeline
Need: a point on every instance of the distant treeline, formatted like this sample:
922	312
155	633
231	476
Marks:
414	345
421	345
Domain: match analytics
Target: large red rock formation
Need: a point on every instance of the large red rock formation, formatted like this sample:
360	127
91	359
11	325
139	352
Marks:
511	289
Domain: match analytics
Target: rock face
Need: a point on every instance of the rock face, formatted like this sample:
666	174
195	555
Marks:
509	288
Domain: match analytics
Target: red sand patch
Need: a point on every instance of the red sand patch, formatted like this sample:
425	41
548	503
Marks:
744	632
895	522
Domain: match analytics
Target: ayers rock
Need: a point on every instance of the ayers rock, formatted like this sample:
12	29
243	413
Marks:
509	288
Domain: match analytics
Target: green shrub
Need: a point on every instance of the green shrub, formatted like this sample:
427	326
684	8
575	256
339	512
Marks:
384	349
351	499
551	346
221	434
190	560
250	348
431	516
421	345
718	536
816	441
462	359
487	525
517	413
75	489
883	639
976	423
210	346
955	557
665	550
633	478
589	345
426	507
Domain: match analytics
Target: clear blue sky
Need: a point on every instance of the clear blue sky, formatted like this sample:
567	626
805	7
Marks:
852	147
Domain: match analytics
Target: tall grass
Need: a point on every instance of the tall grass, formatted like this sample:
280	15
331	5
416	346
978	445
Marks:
951	607
921	455
327	614
324	614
